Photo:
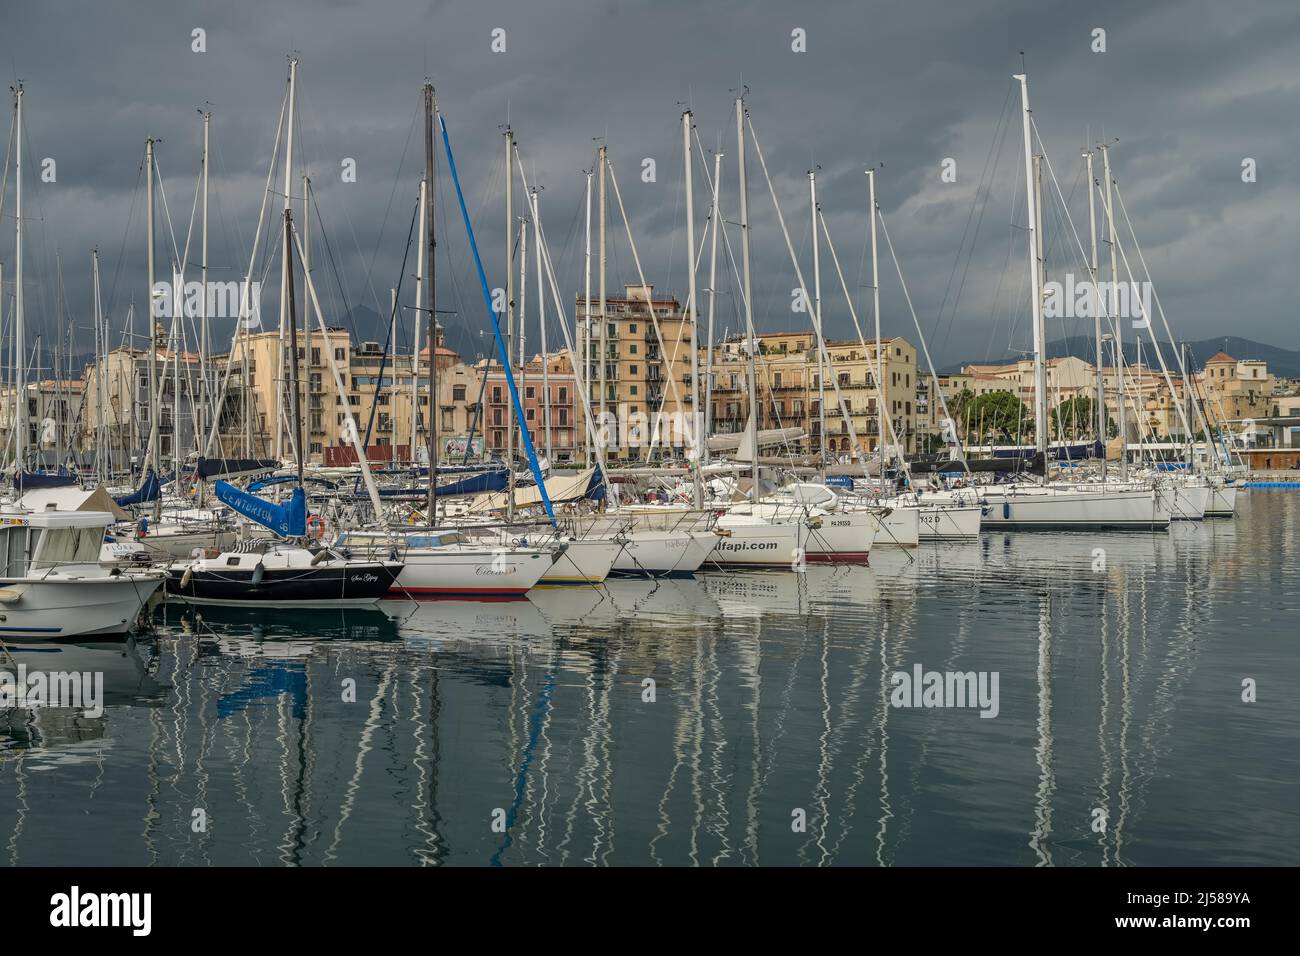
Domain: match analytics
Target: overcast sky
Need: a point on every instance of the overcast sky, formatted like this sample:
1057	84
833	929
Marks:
1190	90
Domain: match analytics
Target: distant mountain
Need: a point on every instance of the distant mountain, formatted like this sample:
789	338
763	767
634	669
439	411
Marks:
1281	362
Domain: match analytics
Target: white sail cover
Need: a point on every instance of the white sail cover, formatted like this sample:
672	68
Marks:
566	487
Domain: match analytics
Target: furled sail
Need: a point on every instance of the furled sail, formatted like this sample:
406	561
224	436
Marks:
288	520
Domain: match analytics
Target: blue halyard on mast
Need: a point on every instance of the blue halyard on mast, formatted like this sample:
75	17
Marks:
496	329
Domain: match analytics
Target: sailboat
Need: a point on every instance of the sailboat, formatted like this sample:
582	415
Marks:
286	570
1030	506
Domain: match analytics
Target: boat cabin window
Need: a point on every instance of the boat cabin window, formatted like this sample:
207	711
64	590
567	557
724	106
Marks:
67	546
230	562
13	548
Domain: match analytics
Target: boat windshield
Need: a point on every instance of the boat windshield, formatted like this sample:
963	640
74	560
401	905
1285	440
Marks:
68	546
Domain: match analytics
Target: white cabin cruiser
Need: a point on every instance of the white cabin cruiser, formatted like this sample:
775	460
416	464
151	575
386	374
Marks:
447	564
52	584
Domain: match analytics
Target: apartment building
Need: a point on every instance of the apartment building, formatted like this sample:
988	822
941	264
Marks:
565	440
647	371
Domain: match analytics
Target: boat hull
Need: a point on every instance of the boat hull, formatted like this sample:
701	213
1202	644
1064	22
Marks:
1223	502
1135	510
586	562
98	607
437	573
663	554
352	583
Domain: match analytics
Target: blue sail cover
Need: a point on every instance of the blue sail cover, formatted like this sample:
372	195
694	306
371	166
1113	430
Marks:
211	467
287	520
596	488
26	481
149	489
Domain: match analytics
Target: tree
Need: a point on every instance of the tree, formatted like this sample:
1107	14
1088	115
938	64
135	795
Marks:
1001	413
1075	419
958	405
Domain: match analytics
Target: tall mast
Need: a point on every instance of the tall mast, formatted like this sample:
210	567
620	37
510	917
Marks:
295	394
600	314
415	352
1035	289
541	327
206	399
20	357
153	455
1100	410
284	263
431	245
1040	332
510	320
584	335
101	396
716	219
1120	397
817	306
306	325
884	413
749	308
696	438
523	313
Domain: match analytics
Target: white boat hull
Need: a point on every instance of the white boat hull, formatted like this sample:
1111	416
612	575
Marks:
663	554
67	608
752	545
901	528
1189	501
585	562
469	573
1223	502
1091	510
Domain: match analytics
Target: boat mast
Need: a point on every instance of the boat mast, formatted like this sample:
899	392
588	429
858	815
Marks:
153	455
431	246
817	309
510	320
284	264
584	334
295	394
751	342
604	322
1100	410
200	427
415	352
713	296
306	326
1035	275
20	359
884	413
101	347
541	326
523	312
1118	325
695	438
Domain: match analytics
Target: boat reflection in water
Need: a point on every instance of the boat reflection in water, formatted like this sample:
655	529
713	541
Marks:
114	673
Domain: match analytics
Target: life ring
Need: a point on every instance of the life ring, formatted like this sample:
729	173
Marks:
316	527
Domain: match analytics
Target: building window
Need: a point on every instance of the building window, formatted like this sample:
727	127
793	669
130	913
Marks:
458	393
338	355
496	393
530	414
632	328
633	389
354	400
633	370
564	393
632	349
528	391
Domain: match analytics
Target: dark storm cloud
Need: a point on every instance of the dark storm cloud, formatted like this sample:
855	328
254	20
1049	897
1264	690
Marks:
1189	89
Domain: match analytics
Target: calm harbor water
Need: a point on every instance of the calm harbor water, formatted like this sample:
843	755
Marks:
231	737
